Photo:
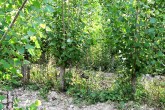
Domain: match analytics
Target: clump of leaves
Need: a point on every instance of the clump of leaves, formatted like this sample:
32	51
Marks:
141	94
45	90
33	86
2	97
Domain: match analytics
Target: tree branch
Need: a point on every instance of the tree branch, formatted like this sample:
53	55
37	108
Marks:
13	21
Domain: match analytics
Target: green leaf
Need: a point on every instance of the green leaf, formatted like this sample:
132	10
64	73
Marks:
2	97
1	106
17	61
26	62
28	46
151	30
49	9
37	44
152	20
5	64
153	62
36	4
31	51
21	50
30	33
160	54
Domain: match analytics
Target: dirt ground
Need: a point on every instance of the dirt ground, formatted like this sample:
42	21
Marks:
56	101
60	101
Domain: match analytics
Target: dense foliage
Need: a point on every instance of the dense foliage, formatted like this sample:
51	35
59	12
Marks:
125	37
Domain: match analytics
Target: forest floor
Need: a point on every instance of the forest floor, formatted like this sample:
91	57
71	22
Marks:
60	101
56	101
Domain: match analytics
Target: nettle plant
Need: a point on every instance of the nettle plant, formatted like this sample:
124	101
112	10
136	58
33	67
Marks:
135	30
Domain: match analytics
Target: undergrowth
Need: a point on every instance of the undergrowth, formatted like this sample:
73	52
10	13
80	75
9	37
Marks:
91	88
84	90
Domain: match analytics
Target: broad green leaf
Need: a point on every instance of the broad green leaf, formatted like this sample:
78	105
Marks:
160	53
1	106
28	46
152	20
151	30
36	4
31	51
21	50
49	8
30	33
26	62
5	64
17	62
2	97
37	44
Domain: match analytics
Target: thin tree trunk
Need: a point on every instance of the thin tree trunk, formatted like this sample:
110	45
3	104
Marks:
13	21
62	78
133	84
135	70
62	68
28	73
112	63
9	103
25	69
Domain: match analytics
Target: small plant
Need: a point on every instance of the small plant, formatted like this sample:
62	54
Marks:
2	97
45	90
141	94
33	86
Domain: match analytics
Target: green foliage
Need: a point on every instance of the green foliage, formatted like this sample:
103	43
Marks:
141	94
67	38
83	90
100	58
135	34
2	97
125	36
18	43
33	86
45	90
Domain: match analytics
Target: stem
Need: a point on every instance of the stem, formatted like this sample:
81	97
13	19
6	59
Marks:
13	21
134	70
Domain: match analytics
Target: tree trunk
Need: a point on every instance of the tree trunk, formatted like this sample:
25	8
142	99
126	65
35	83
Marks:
10	99
62	78
28	73
112	63
133	84
25	69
